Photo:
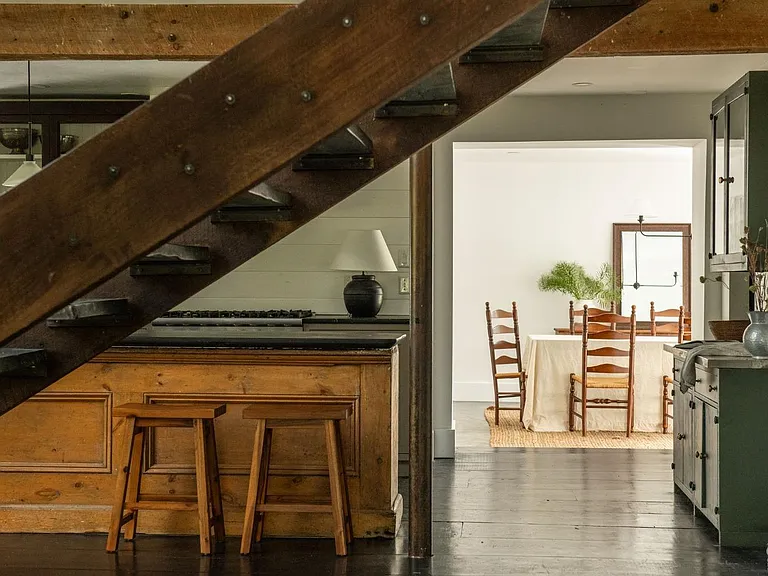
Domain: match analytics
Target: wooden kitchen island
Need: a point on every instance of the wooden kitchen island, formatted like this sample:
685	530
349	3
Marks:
57	460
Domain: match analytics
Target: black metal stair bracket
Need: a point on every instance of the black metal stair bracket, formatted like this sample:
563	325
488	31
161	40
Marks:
520	42
93	313
262	203
347	149
23	362
433	96
174	260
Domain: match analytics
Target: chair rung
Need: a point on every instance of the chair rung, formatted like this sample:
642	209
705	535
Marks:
294	508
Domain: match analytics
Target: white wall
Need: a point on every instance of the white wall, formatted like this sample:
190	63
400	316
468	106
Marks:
517	211
556	118
295	272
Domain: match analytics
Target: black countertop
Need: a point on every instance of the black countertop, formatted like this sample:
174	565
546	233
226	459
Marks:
346	319
275	339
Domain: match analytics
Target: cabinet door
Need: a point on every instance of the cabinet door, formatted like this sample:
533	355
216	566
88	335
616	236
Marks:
689	477
719	176
709	460
698	448
736	170
679	430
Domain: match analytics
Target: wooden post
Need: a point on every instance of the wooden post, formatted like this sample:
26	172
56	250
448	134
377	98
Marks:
420	414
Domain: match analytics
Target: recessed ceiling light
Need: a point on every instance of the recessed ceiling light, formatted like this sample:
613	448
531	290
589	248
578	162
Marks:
581	84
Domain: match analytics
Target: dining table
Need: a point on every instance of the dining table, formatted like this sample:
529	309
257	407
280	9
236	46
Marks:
549	360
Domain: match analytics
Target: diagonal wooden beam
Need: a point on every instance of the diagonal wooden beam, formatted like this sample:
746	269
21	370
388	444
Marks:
313	192
234	122
204	31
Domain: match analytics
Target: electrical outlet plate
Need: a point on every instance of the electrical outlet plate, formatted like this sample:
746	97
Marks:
404	285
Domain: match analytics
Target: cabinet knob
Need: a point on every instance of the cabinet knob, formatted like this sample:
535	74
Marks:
681	436
717	509
698	381
712	388
698	455
691	485
717	419
722	180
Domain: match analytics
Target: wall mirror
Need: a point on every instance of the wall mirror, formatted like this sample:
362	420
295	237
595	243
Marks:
652	264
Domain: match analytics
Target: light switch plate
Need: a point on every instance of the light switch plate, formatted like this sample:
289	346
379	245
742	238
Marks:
404	285
403	258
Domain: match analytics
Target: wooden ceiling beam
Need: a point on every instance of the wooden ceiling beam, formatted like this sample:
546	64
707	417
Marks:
670	27
204	31
129	31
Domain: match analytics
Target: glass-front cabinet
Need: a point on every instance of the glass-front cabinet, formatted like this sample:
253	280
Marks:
738	179
58	126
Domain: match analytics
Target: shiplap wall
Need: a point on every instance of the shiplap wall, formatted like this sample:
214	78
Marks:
295	272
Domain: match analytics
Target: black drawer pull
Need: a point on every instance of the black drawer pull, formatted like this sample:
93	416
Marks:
681	436
698	381
697	454
717	419
712	388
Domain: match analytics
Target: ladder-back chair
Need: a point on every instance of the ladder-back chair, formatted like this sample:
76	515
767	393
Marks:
680	327
575	325
601	370
502	324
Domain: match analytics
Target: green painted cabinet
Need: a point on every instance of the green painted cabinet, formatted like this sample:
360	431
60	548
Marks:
720	463
738	168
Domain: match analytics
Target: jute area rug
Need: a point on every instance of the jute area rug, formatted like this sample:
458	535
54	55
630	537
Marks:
510	433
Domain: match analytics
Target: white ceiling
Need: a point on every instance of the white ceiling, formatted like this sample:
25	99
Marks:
616	75
644	74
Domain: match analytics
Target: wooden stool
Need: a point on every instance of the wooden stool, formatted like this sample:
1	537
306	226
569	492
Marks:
139	417
271	415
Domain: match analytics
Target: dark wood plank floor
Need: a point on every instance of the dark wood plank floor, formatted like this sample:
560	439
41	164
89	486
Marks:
497	512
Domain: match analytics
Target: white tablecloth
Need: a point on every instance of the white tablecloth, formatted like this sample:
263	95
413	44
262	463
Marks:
548	362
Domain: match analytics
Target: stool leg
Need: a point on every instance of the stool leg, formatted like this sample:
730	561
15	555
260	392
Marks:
253	486
263	483
203	488
134	481
123	464
213	477
337	497
344	487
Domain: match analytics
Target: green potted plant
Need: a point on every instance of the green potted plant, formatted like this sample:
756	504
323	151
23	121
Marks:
573	280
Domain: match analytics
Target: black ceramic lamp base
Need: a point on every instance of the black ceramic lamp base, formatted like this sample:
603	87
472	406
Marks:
363	296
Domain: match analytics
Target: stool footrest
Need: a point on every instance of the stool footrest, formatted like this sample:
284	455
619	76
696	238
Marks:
326	508
168	498
161	505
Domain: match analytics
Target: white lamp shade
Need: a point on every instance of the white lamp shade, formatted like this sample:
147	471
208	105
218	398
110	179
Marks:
27	169
364	251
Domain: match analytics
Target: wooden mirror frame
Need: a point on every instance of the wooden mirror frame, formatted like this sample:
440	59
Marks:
684	229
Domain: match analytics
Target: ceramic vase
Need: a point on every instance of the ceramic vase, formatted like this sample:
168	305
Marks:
756	335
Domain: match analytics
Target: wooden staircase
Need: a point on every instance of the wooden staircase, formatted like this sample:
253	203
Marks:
314	106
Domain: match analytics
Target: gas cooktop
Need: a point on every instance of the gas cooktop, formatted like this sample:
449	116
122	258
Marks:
240	318
238	314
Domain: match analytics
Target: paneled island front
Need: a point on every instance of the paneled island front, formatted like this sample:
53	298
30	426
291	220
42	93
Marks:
57	456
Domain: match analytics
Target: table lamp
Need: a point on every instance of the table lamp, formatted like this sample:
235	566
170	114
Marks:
364	251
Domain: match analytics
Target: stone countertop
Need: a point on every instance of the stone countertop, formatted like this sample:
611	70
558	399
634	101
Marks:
747	362
275	339
347	319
